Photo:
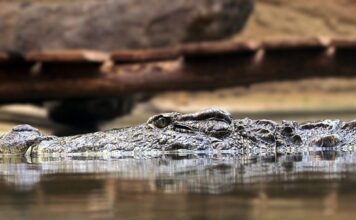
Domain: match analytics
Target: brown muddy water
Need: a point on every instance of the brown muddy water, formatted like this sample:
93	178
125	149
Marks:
309	185
319	185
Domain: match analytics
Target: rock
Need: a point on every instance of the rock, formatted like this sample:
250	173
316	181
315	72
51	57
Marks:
277	19
117	24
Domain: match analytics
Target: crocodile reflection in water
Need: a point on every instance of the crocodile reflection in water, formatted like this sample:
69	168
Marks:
207	131
185	173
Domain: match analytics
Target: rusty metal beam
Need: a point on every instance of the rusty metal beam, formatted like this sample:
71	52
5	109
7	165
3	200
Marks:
77	74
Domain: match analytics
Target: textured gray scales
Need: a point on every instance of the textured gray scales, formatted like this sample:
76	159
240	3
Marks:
202	132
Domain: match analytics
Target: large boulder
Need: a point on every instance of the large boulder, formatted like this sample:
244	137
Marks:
117	24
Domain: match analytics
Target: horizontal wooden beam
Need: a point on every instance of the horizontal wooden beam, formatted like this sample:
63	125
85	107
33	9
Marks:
191	67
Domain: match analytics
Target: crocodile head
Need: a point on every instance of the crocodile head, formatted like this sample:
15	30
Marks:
209	129
206	130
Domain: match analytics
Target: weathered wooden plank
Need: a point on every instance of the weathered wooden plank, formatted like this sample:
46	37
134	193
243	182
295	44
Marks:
132	56
185	50
296	44
70	56
344	43
80	73
206	72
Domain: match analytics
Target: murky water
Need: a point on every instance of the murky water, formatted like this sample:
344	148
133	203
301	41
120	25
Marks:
314	185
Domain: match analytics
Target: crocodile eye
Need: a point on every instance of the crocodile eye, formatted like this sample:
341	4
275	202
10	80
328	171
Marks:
161	122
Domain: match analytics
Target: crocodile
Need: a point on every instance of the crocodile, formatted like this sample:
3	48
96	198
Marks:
208	131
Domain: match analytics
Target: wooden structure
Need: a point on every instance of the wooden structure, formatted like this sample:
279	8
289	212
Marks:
46	75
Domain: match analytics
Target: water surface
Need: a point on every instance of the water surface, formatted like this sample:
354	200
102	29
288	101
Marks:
314	185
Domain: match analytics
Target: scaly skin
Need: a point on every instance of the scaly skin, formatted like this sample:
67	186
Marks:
203	132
